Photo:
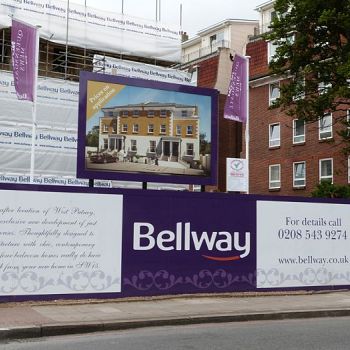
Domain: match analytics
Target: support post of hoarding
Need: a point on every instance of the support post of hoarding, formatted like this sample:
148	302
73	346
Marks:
144	185
202	188
35	89
91	182
247	126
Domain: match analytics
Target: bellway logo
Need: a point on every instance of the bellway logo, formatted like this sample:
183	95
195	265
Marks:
183	238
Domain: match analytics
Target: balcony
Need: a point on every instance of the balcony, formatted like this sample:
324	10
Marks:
205	51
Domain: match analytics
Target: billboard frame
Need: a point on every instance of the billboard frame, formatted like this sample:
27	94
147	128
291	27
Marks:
84	172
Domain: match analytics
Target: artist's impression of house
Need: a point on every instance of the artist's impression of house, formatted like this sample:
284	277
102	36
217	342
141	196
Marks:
154	130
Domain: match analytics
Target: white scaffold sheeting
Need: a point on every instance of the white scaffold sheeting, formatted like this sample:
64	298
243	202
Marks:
56	136
96	29
131	69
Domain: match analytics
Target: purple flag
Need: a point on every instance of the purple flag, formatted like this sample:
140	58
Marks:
23	51
236	107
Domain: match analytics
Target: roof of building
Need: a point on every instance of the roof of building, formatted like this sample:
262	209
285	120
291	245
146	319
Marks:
150	104
265	5
218	26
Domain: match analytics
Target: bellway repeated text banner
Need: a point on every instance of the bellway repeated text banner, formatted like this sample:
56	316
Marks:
96	29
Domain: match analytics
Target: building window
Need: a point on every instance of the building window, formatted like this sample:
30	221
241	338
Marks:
136	113
125	128
162	129
135	128
178	129
105	128
163	112
110	113
299	174
326	170
189	149
150	128
349	170
325	127
152	146
298	131
105	143
348	121
125	113
184	113
324	87
271	50
150	113
189	130
133	145
274	92
274	176
274	135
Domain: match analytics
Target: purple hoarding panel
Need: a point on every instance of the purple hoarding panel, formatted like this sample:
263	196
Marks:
191	244
142	130
23	50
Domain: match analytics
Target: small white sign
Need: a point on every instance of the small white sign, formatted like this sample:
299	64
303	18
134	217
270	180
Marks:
302	244
236	175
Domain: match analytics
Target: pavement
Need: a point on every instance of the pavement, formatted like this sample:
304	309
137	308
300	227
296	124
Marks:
61	317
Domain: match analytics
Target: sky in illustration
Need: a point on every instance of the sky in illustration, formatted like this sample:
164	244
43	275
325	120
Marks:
133	95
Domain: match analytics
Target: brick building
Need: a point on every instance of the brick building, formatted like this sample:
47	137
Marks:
208	55
287	157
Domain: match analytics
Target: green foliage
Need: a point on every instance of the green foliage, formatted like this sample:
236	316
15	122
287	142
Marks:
92	137
319	53
328	190
205	146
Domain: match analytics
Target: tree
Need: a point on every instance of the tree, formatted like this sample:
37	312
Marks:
204	144
326	189
313	55
92	137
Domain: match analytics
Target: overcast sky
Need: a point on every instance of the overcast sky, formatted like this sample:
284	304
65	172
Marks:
196	14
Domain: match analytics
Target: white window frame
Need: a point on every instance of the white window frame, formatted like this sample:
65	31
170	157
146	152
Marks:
184	113
162	128
189	149
105	128
133	145
163	113
325	177
178	130
298	138
151	113
271	88
136	112
349	169
296	181
189	130
275	184
321	128
270	52
274	142
135	128
152	147
150	128
124	127
125	113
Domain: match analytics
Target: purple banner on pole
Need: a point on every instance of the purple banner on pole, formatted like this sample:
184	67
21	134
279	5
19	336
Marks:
236	107
23	51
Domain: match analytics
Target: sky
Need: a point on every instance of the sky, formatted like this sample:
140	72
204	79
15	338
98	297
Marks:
196	14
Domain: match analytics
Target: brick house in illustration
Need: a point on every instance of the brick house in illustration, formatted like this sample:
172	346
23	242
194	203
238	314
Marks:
164	131
287	156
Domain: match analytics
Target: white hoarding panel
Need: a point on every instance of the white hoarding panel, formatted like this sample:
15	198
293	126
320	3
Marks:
60	243
302	244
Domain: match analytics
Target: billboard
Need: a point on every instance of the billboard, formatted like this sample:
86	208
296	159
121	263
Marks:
142	130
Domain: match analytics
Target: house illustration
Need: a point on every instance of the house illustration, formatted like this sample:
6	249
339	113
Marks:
156	131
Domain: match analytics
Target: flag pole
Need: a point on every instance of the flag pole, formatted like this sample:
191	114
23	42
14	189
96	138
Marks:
35	89
247	137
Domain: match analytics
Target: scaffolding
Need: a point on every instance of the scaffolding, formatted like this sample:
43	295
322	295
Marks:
64	61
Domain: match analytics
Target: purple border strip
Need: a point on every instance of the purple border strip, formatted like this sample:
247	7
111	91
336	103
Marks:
107	175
